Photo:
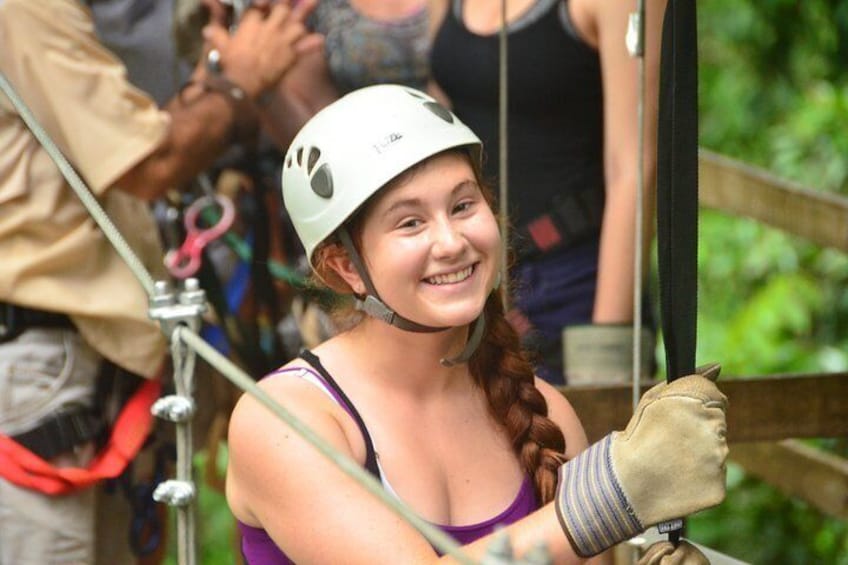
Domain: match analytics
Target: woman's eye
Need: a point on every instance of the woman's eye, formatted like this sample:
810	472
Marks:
410	223
462	206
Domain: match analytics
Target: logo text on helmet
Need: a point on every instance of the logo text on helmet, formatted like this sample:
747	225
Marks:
384	144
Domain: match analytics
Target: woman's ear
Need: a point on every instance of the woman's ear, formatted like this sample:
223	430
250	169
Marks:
341	264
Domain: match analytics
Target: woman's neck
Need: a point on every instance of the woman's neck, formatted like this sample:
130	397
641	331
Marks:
410	360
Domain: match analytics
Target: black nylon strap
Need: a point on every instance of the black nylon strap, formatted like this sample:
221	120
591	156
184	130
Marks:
14	320
677	196
60	433
677	186
370	453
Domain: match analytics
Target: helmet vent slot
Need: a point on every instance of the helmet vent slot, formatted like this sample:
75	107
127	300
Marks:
322	182
312	158
439	111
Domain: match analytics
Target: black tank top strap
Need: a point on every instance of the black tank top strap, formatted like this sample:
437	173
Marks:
370	454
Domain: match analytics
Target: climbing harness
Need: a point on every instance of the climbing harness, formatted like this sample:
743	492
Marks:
24	468
572	218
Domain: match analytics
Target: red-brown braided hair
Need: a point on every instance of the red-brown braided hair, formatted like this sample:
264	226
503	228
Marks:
502	369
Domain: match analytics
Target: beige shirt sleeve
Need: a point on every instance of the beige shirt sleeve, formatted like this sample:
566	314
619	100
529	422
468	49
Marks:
77	89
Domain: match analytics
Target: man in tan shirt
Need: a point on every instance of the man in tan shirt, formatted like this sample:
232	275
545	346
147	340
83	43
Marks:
67	300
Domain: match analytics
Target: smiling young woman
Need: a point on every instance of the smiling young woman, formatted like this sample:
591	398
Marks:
429	390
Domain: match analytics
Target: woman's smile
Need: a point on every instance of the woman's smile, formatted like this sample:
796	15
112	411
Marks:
451	278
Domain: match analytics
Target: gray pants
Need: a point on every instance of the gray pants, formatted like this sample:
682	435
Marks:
42	371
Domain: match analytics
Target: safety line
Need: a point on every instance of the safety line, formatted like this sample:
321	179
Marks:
503	166
638	51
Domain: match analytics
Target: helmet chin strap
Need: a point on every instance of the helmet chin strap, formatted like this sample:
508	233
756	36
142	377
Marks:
375	307
470	346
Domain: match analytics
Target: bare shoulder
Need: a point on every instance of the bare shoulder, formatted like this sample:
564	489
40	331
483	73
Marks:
261	442
562	413
299	390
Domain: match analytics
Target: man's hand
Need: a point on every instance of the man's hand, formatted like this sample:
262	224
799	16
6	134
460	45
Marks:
665	553
266	43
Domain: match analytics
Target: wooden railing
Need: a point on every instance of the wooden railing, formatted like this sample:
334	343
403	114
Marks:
741	190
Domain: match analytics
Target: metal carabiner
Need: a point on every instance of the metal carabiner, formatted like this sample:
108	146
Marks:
185	261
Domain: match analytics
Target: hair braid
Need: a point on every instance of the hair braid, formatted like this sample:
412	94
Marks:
502	368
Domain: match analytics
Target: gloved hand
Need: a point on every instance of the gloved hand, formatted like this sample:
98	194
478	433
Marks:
603	353
667	463
664	553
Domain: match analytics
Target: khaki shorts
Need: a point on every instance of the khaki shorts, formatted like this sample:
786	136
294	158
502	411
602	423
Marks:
41	371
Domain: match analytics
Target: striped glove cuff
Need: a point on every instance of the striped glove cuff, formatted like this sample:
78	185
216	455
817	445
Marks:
590	503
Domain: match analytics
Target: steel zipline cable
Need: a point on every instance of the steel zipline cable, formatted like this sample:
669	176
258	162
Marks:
503	165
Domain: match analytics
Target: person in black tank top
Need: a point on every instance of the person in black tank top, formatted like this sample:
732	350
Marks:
571	152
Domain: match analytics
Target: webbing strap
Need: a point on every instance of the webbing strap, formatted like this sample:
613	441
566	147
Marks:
677	195
677	186
24	468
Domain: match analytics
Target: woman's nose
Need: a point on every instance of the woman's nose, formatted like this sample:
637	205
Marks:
448	239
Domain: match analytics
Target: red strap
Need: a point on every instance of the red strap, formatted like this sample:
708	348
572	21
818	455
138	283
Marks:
24	468
544	233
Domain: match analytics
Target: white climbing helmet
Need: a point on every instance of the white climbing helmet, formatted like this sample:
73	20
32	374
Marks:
357	144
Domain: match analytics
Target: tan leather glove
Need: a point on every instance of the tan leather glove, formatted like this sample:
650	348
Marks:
668	462
664	553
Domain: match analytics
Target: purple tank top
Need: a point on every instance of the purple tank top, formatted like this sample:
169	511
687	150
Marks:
259	549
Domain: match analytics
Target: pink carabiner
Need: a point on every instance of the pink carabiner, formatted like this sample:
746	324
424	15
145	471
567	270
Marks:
185	261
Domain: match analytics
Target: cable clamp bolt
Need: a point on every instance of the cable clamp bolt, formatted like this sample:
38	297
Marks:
174	493
173	408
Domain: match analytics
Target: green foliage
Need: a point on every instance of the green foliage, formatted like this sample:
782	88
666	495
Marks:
773	92
759	525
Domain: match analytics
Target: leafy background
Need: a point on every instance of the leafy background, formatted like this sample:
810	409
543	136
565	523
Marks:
774	93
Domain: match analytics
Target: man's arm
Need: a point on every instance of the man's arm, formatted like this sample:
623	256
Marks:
217	108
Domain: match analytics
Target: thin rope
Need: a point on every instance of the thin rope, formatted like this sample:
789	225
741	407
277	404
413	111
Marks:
89	201
184	360
503	168
640	194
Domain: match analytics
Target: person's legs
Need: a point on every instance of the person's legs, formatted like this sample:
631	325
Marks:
37	529
43	371
552	292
